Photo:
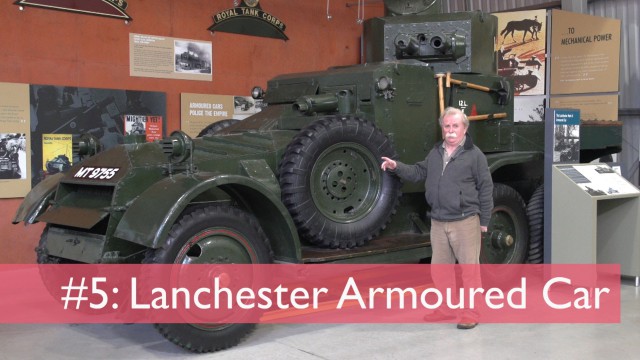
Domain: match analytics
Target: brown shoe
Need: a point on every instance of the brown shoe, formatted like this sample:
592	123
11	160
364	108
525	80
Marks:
467	325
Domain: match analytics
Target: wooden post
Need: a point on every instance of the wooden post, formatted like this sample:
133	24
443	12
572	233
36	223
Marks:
440	92
470	85
487	116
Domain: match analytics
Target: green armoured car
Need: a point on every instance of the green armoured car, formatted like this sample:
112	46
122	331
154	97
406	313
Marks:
300	181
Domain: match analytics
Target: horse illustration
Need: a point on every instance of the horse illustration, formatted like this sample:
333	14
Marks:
526	25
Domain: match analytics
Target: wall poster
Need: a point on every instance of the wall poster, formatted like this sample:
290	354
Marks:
60	112
169	58
14	140
521	49
197	111
586	53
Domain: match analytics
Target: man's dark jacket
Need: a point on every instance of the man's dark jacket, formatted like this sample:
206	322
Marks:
463	189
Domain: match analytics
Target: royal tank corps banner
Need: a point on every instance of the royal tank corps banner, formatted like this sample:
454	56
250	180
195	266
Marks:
248	18
197	111
59	113
521	48
108	8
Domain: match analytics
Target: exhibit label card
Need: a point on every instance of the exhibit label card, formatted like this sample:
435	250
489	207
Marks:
170	58
14	142
566	145
197	111
598	179
592	108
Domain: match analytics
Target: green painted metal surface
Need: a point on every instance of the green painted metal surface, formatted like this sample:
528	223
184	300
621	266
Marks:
141	190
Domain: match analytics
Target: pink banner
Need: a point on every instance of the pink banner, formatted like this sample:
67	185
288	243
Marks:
324	293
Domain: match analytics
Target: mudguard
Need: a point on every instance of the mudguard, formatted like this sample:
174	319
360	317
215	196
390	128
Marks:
37	200
498	160
149	218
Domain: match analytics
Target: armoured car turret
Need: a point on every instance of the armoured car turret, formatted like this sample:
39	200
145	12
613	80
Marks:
300	181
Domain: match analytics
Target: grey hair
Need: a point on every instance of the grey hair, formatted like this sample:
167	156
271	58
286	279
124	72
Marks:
454	111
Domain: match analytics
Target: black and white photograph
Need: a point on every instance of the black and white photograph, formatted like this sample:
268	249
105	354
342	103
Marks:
243	105
566	148
192	57
13	159
529	108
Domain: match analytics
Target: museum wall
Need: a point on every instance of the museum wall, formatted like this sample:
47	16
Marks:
66	49
628	11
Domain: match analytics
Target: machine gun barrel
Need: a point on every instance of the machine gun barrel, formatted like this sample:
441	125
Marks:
408	44
310	104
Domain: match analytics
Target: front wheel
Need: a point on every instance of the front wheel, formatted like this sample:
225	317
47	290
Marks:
212	235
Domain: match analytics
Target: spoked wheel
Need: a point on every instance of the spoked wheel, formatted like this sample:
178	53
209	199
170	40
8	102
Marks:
332	183
507	238
212	235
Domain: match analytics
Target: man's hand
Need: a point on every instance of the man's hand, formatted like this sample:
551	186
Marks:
483	229
388	164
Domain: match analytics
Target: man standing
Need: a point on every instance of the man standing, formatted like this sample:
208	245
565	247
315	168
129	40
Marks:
459	190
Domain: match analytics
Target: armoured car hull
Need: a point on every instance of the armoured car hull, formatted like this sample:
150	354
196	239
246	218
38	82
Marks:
300	181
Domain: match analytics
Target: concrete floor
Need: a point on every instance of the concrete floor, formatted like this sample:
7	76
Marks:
343	341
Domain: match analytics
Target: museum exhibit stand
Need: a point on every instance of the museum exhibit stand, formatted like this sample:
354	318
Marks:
595	218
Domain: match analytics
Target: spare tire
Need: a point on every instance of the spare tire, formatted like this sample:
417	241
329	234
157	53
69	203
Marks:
332	183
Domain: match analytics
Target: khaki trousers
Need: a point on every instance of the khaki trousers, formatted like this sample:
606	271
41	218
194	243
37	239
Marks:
457	241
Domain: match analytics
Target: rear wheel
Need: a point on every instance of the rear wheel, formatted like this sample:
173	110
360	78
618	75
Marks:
212	235
535	212
507	238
